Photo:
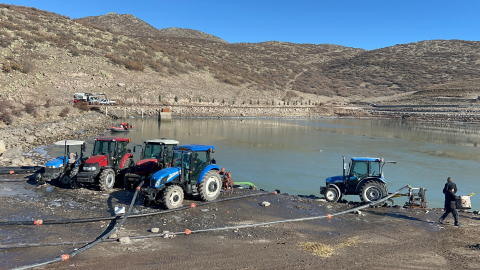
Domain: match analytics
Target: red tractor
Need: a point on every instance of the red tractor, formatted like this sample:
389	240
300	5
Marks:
110	157
156	155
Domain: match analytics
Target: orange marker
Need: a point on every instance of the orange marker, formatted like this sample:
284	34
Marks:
329	216
65	257
187	231
193	205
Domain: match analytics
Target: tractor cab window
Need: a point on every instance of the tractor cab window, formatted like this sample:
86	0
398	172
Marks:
179	156
359	170
102	147
199	161
374	169
168	153
121	149
153	151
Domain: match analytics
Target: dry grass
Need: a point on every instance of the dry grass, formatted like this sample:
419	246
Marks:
326	250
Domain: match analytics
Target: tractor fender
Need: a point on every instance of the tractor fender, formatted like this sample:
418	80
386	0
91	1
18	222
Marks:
124	159
379	180
207	169
335	187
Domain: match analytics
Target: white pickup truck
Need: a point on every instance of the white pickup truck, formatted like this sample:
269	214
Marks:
106	101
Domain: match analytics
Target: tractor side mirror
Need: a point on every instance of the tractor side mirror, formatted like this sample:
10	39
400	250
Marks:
134	148
345	167
84	147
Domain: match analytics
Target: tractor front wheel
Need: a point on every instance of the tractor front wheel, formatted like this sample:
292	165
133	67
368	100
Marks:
372	191
210	186
64	179
332	195
39	179
172	197
107	179
129	185
73	179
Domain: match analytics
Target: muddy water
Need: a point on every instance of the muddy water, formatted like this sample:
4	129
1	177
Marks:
296	155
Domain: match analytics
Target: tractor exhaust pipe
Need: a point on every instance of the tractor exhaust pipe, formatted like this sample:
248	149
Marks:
343	168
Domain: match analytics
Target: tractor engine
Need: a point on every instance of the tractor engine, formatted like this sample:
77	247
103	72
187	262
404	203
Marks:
91	168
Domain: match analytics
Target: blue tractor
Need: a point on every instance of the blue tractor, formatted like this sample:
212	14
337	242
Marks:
193	172
363	177
62	167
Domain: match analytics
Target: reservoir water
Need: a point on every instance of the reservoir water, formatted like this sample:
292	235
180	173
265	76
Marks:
296	155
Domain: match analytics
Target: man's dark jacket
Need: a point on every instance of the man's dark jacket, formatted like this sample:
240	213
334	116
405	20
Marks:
447	190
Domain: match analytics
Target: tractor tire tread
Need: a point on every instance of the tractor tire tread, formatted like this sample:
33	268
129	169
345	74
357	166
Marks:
102	179
202	188
368	184
167	193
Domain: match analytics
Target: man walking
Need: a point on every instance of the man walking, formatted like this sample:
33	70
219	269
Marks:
450	201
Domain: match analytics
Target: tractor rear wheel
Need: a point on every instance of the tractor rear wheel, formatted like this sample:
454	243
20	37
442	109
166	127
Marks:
210	186
73	179
372	191
172	197
64	179
332	195
107	179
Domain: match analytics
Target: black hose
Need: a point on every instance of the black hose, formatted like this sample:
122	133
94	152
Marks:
95	219
209	230
90	245
18	170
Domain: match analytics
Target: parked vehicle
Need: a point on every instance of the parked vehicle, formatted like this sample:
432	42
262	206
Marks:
156	155
106	101
193	172
81	97
62	167
364	177
110	158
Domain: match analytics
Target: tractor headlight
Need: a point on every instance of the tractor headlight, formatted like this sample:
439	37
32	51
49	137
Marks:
90	168
50	167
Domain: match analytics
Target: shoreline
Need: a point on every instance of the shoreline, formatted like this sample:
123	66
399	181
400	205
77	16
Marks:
23	138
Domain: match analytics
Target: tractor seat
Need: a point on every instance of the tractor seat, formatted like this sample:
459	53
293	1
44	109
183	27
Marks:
72	158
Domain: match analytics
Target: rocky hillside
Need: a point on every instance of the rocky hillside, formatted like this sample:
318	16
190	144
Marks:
130	25
45	56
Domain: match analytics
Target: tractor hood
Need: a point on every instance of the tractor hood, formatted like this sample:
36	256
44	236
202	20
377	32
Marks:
164	176
56	163
96	159
146	161
145	166
335	179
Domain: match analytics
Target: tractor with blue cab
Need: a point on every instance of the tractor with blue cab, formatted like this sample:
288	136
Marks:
363	177
61	168
193	172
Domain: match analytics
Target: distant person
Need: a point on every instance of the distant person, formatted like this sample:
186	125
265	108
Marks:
450	201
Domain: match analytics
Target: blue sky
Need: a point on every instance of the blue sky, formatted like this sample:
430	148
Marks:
360	24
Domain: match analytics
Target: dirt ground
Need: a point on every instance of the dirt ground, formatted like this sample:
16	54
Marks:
376	238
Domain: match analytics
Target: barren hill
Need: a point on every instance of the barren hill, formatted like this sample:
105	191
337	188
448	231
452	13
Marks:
129	25
46	55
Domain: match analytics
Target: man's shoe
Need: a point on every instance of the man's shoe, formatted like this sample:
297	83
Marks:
458	225
440	221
